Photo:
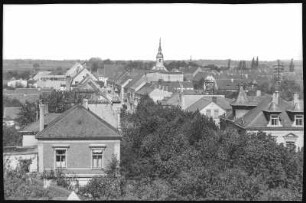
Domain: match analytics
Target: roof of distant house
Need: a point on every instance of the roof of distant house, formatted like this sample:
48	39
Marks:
11	113
78	123
75	69
146	89
34	127
256	118
206	100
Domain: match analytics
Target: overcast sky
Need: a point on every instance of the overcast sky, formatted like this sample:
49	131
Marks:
132	31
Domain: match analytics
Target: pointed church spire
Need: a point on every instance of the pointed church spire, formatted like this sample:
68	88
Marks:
159	48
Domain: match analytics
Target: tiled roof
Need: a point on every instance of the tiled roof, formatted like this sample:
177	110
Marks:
256	118
34	127
78	123
205	100
146	89
11	113
174	100
134	80
75	69
298	107
273	107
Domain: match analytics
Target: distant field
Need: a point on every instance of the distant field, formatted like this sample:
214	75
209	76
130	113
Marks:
23	65
27	64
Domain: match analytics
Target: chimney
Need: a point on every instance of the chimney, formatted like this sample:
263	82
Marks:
295	98
46	108
68	83
85	103
275	97
214	99
118	119
258	93
41	116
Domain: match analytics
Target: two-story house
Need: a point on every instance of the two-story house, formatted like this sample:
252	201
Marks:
79	142
271	114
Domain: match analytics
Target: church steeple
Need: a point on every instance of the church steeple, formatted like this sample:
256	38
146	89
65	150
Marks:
159	53
159	59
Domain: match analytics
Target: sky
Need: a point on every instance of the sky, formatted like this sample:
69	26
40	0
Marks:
132	31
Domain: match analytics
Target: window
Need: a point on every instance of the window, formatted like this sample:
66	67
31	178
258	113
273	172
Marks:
97	158
159	60
274	120
290	145
208	113
60	158
299	120
216	113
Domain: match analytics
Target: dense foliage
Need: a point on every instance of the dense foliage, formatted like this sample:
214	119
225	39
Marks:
7	75
28	113
60	101
169	154
11	137
9	102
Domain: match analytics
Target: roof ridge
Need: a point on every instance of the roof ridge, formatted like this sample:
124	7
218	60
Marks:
71	110
57	119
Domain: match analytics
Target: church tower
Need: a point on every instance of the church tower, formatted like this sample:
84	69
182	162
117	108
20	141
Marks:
159	60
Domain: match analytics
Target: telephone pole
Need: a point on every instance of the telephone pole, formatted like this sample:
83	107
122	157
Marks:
279	68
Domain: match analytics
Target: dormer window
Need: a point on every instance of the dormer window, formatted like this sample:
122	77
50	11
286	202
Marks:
274	120
298	121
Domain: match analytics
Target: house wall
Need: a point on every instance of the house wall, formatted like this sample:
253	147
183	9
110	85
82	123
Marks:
78	154
12	160
29	140
51	84
213	106
81	76
279	136
158	94
155	76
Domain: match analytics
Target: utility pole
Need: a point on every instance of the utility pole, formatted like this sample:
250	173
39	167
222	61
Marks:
279	68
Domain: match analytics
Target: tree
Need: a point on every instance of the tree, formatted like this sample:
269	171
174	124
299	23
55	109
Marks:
291	66
94	64
36	67
11	137
257	63
253	63
59	101
229	64
28	113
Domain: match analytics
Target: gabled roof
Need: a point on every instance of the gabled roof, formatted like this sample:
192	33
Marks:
173	100
146	89
273	107
206	100
135	80
88	81
75	69
34	127
11	113
78	123
242	99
